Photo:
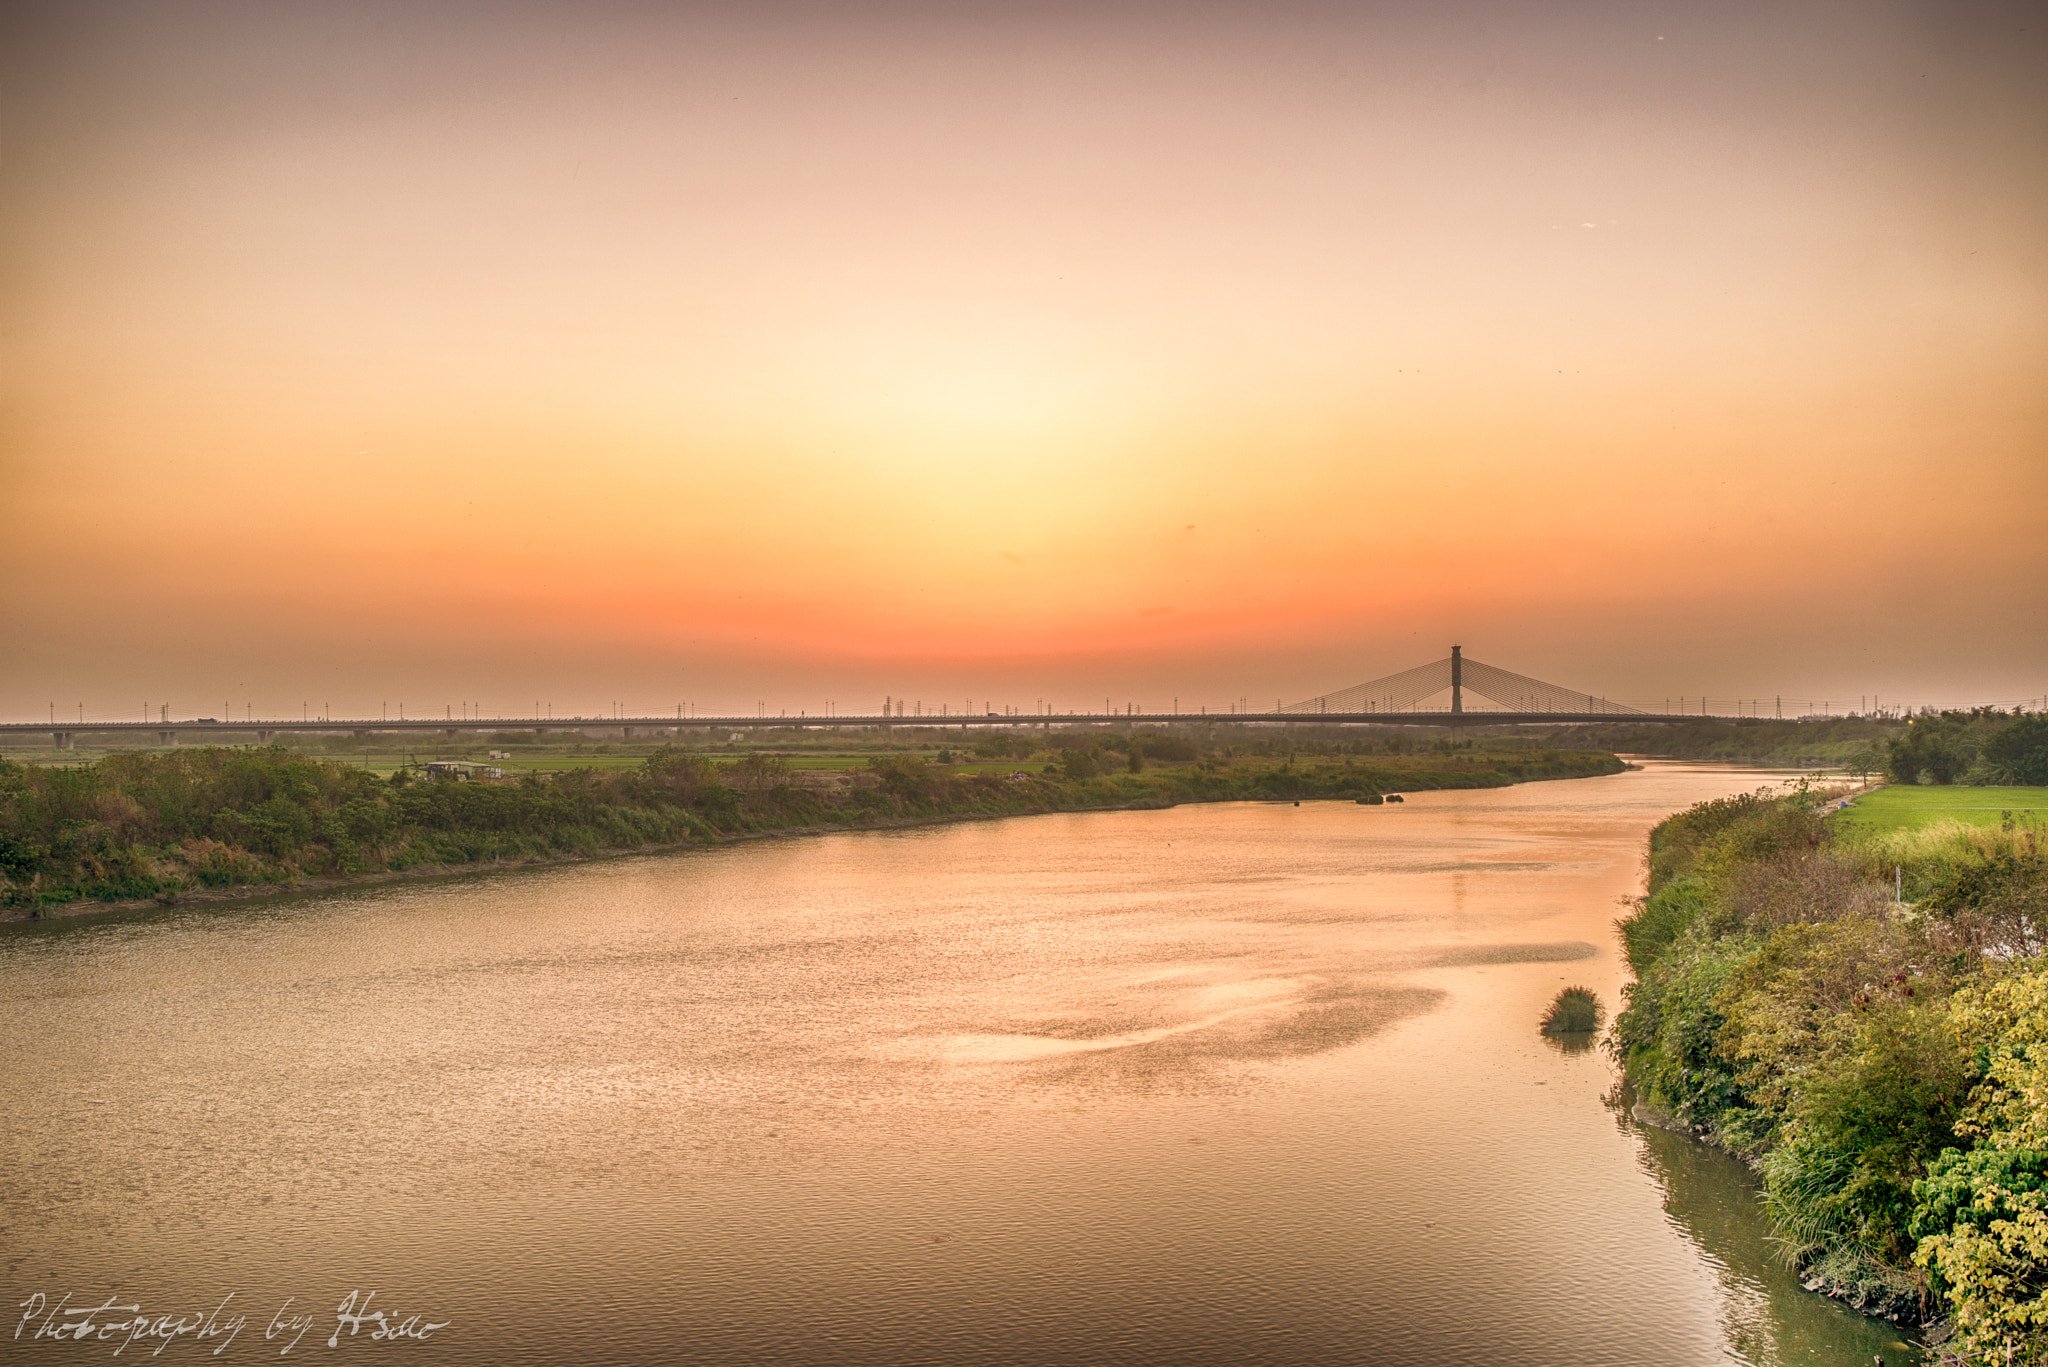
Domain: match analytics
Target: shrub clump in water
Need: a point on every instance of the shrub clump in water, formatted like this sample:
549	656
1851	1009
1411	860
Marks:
1576	1010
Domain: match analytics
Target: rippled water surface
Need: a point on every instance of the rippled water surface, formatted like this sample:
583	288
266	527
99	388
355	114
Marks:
1247	1083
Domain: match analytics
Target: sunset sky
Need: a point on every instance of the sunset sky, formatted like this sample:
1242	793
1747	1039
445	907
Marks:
765	353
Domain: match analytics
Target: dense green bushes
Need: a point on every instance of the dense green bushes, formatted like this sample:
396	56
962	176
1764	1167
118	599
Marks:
1851	742
1983	745
1884	1064
1979	746
2018	751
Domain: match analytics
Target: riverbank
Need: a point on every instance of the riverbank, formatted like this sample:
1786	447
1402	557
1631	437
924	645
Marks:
1862	1015
1834	742
220	825
202	896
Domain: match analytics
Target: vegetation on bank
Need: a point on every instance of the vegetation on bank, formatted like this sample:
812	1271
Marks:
1977	746
1864	1017
1980	746
1834	742
158	825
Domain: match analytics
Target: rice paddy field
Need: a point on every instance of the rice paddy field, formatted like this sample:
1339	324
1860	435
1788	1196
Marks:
1899	807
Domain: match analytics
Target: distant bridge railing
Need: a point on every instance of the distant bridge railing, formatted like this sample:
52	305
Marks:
1396	700
196	732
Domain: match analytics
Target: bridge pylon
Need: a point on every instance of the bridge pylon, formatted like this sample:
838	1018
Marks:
1457	692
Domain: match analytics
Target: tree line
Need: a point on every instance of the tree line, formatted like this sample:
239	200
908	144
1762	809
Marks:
1978	746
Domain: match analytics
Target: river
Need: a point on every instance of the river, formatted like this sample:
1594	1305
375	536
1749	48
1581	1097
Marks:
1234	1084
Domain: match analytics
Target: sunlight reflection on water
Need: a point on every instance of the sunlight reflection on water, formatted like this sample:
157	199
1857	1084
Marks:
1230	1084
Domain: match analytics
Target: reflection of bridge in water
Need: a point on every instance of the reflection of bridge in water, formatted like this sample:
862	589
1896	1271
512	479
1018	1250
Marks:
1431	695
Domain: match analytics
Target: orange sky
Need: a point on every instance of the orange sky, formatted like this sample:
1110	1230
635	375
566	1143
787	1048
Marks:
777	354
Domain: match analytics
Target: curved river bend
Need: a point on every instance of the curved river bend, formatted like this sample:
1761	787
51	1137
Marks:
1223	1084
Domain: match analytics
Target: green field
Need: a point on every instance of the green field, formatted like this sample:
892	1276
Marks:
1901	807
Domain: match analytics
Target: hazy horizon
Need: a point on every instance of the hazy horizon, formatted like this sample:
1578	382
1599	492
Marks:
786	353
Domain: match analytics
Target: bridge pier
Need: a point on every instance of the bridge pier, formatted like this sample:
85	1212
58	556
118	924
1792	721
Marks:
167	738
448	731
64	739
625	733
360	733
263	737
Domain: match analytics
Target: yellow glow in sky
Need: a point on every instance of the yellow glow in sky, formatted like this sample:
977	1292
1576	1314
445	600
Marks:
783	352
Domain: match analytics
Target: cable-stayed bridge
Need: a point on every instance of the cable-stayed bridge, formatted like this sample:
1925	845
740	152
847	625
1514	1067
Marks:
1438	694
1514	696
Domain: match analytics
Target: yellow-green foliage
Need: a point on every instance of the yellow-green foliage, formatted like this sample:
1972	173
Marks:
1994	1268
1797	1007
2006	1018
1993	1260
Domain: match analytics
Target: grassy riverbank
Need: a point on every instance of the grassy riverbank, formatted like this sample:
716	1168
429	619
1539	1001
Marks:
162	826
1862	1013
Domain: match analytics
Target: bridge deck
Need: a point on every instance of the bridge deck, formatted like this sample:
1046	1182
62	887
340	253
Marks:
240	730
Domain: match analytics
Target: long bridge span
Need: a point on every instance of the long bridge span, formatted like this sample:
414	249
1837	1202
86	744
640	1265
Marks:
1435	695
